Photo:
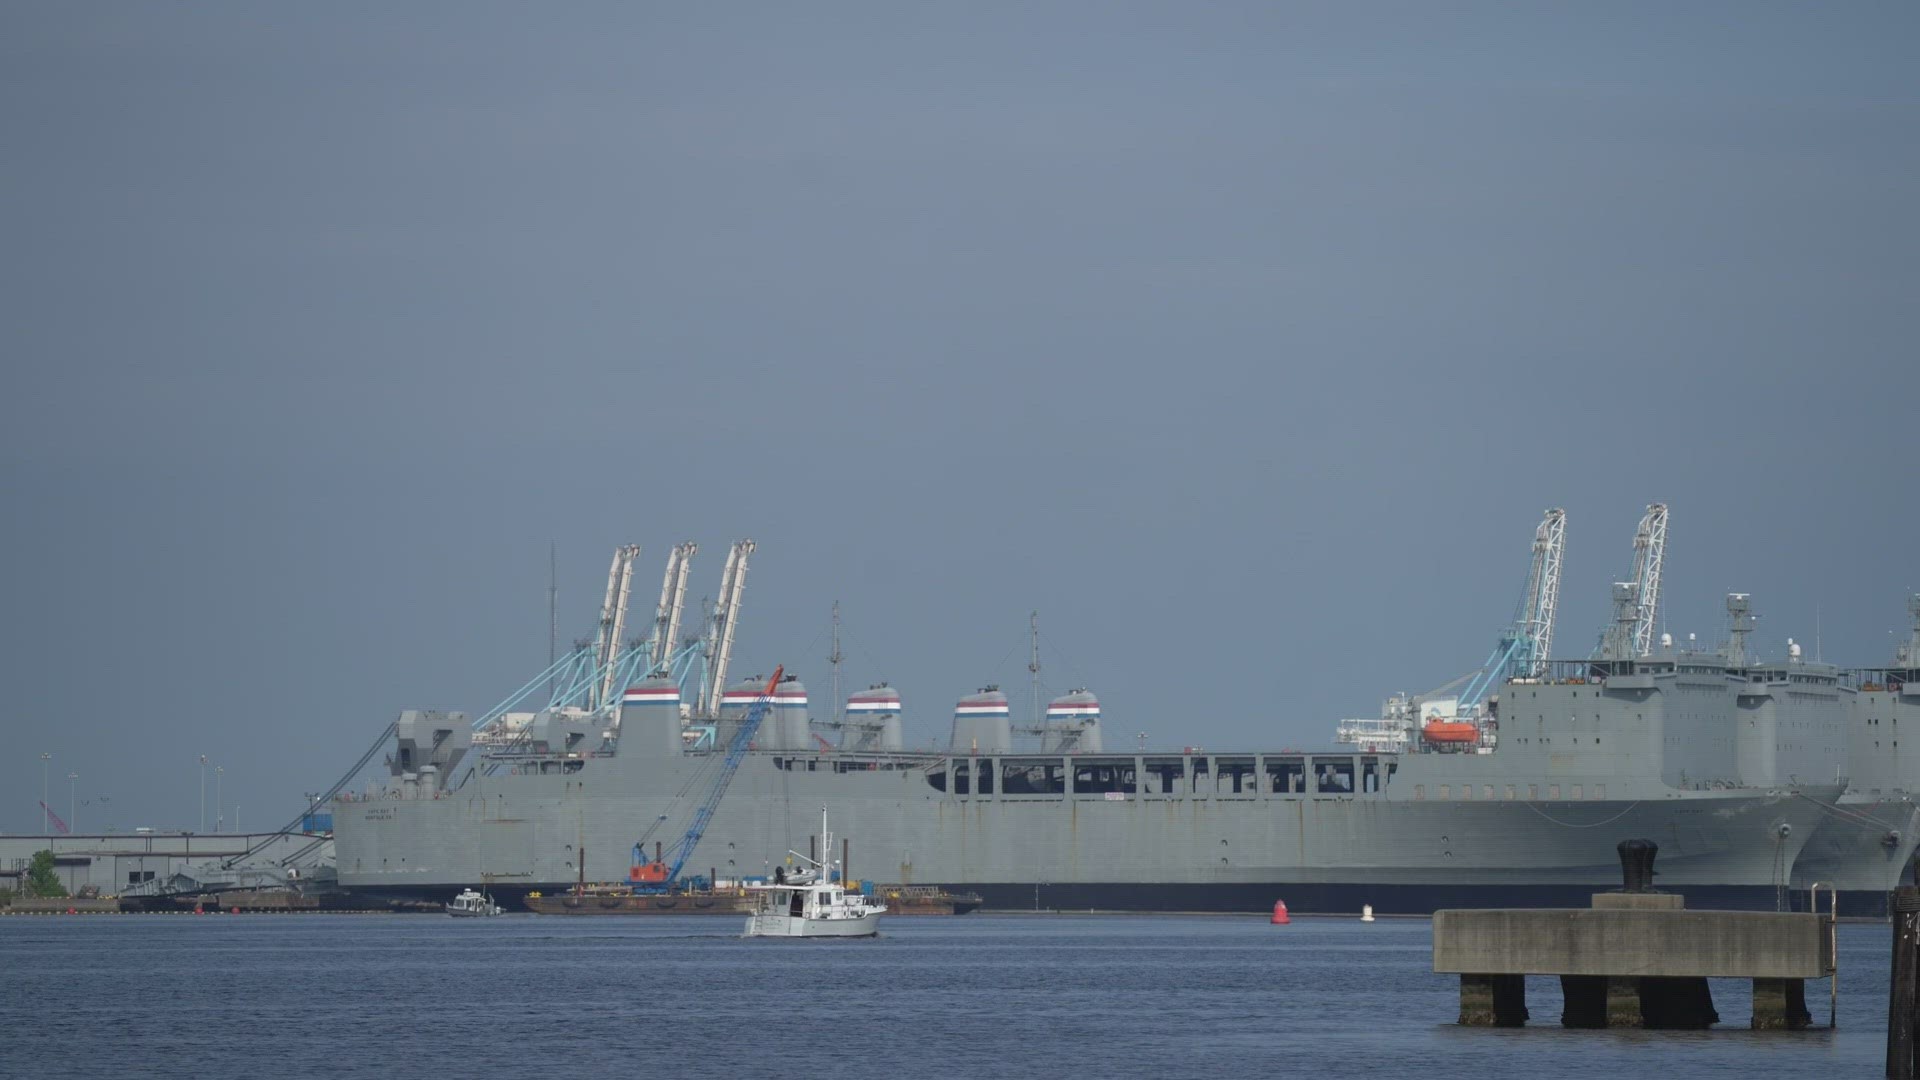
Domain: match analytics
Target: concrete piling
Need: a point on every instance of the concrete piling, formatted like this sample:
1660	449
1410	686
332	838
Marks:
1636	958
1493	1000
1780	1005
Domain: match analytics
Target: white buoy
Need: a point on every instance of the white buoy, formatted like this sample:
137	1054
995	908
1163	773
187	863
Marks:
1366	912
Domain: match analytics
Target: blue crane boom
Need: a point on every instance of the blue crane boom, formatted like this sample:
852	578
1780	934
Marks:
662	873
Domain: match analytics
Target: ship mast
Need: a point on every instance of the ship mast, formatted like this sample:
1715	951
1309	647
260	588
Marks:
1033	664
1740	617
1908	655
834	659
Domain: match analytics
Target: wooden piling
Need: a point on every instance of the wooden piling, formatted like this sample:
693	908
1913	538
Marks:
1901	997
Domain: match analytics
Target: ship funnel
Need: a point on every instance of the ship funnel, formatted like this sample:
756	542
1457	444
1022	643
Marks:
983	723
873	720
650	717
1073	724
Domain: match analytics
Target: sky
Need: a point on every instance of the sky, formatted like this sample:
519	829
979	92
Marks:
1246	343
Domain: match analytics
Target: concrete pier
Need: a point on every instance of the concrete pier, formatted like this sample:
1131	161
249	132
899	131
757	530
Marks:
1634	959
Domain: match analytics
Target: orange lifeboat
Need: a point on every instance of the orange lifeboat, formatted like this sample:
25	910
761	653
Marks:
1438	731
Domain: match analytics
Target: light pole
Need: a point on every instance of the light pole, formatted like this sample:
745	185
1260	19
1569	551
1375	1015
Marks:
203	793
46	825
72	818
219	815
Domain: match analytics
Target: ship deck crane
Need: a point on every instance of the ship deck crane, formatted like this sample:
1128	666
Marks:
613	621
1527	644
673	600
1649	563
664	871
1636	600
726	613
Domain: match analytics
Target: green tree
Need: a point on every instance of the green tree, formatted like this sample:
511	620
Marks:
41	880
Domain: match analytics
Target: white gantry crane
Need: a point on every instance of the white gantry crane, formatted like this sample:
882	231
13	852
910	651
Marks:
1649	560
613	621
1542	603
726	613
673	601
1526	646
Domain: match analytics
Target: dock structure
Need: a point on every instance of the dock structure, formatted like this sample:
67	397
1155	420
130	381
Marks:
1636	958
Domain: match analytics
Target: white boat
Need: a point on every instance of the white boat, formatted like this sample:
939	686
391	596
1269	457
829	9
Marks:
812	902
472	905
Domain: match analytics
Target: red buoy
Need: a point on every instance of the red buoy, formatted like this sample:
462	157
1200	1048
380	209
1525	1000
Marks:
1280	913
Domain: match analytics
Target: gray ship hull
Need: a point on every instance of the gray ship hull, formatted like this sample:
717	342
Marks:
1186	850
1863	846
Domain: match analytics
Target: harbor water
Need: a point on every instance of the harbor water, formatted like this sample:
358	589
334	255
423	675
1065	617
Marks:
520	996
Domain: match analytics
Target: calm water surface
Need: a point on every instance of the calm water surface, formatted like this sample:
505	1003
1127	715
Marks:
425	996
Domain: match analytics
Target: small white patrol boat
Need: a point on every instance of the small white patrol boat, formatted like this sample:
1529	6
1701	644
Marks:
812	903
472	905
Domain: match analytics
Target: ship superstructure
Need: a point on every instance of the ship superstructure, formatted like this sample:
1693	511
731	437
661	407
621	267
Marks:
1562	760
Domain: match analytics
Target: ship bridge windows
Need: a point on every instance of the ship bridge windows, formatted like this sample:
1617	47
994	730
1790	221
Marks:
1287	776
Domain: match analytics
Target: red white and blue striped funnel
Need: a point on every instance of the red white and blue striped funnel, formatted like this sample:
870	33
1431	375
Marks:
1078	706
988	703
744	693
652	692
874	701
790	695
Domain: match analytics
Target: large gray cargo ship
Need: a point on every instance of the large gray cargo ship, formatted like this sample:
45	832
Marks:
1519	799
1866	842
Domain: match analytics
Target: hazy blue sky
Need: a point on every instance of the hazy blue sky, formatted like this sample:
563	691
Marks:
1244	342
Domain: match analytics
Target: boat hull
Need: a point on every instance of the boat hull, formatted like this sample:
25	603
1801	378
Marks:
796	926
